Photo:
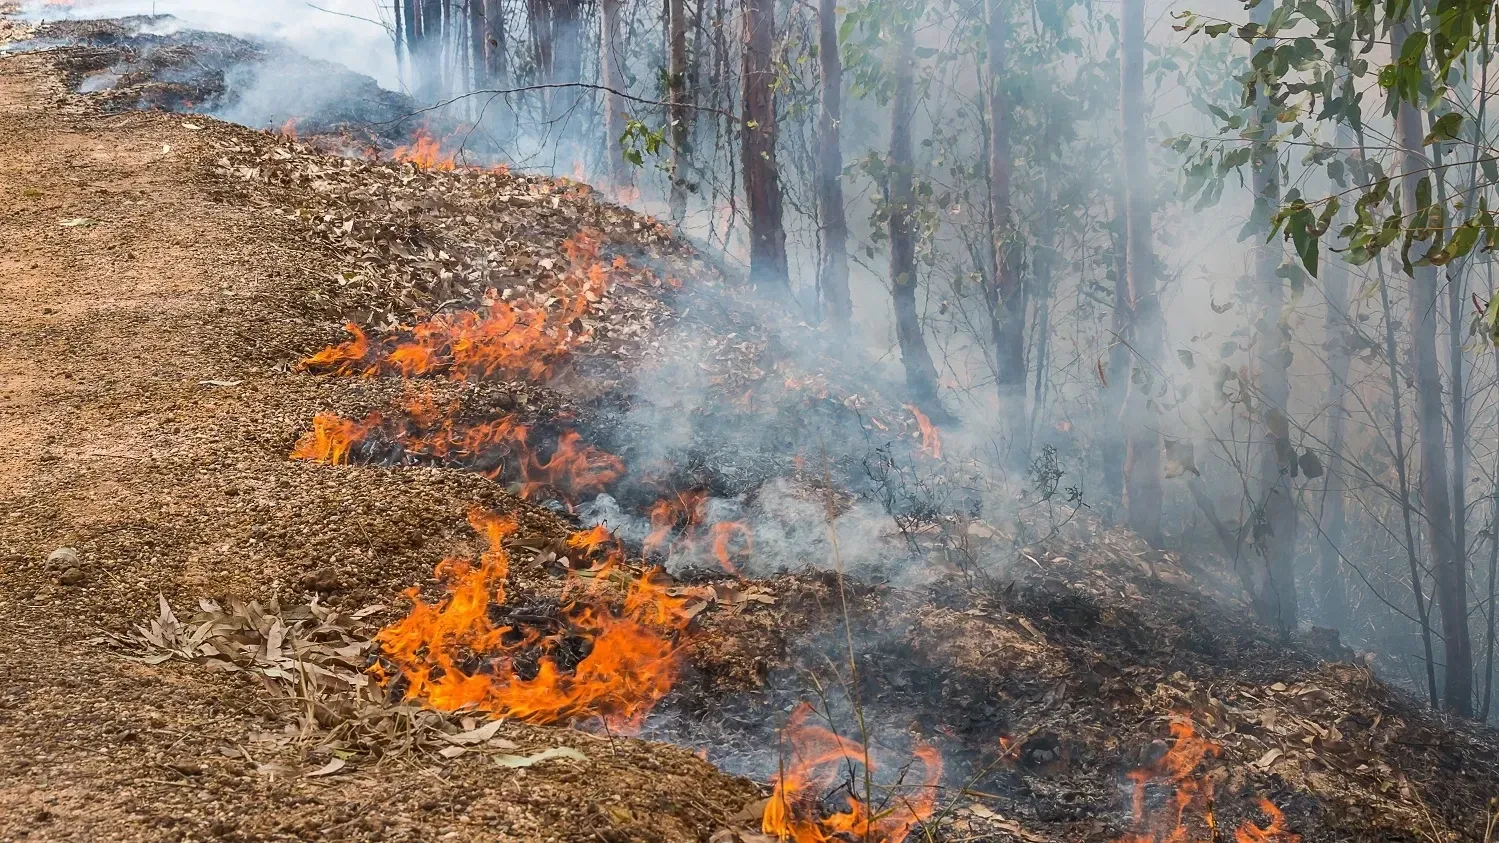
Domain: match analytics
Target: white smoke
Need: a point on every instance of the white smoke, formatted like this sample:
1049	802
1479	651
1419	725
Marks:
353	33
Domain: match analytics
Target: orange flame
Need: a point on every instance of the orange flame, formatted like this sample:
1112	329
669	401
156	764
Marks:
1191	795
931	443
520	339
425	152
1275	832
452	655
819	758
723	532
333	438
426	430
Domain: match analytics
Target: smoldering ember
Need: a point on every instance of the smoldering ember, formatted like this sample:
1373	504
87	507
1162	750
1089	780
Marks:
748	421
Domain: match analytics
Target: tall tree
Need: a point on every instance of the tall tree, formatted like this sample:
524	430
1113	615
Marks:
1115	378
497	68
677	112
1006	292
1142	460
921	374
1275	512
1332	596
477	36
1447	564
612	77
762	187
833	273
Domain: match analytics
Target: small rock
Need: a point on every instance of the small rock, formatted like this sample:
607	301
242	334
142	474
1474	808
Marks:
72	576
62	558
323	580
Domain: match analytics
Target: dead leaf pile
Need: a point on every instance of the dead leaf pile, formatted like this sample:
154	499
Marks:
311	659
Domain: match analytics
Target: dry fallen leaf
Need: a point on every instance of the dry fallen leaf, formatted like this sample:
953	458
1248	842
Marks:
328	769
514	761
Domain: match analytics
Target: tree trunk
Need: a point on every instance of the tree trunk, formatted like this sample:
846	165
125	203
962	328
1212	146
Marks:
833	274
1116	378
762	188
1446	563
677	112
567	68
921	375
1007	298
497	69
477	36
430	60
611	73
402	38
1142	460
1332	596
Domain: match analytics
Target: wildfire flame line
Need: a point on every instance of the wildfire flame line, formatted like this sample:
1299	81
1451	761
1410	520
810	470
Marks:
819	759
685	513
1191	803
518	339
425	152
452	654
574	468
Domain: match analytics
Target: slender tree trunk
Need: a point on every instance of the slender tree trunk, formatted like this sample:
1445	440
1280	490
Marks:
567	67
497	69
762	188
677	95
1447	564
1007	298
611	72
1116	378
477	36
430	60
401	38
833	273
1457	295
1488	659
921	375
1331	592
1142	460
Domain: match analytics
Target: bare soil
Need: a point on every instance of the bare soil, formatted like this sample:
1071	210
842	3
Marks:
145	419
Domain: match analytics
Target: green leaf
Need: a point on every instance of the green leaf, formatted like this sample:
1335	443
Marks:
1445	129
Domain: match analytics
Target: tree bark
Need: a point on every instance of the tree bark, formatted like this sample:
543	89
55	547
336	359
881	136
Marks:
1142	460
1332	595
477	36
762	188
426	58
1446	563
1116	376
833	273
677	112
497	69
921	375
611	72
1007	297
